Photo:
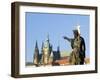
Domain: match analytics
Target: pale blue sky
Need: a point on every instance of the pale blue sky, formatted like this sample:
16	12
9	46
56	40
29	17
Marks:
39	25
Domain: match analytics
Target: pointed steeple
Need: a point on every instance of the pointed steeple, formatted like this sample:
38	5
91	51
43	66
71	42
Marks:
58	49
36	54
36	45
47	43
47	37
58	52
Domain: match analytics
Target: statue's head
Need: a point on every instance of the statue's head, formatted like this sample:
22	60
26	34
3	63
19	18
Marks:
75	32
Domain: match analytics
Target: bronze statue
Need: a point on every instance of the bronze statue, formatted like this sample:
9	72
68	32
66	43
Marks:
77	55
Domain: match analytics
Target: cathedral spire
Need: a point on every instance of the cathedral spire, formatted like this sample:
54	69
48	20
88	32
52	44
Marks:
58	49
58	52
36	54
36	45
47	37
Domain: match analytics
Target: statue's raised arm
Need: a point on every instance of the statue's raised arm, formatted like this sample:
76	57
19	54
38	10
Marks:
70	40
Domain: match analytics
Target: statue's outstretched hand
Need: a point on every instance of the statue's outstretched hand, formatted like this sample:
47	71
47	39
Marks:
66	38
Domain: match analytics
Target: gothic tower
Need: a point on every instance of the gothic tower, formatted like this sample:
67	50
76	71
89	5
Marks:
46	51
